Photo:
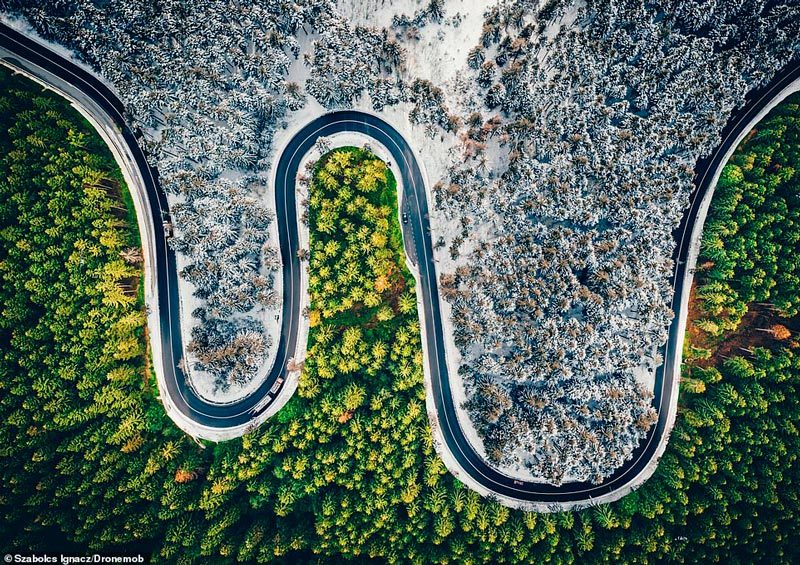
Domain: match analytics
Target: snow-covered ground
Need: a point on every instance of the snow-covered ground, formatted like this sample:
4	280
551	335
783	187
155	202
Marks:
204	383
440	52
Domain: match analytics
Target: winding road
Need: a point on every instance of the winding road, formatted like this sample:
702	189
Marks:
19	51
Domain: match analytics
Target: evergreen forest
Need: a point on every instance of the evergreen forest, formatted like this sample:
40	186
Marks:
347	469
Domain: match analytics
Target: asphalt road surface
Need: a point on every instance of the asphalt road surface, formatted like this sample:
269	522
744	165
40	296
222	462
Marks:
416	233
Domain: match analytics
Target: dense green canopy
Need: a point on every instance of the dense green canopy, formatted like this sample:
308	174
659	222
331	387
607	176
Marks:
752	236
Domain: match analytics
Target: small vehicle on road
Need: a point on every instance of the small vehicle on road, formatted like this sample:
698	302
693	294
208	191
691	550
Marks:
518	483
405	217
277	385
258	408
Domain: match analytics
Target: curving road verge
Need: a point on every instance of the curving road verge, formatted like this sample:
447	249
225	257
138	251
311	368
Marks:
229	420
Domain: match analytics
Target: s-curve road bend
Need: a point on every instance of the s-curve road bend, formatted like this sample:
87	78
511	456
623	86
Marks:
471	467
94	99
460	456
